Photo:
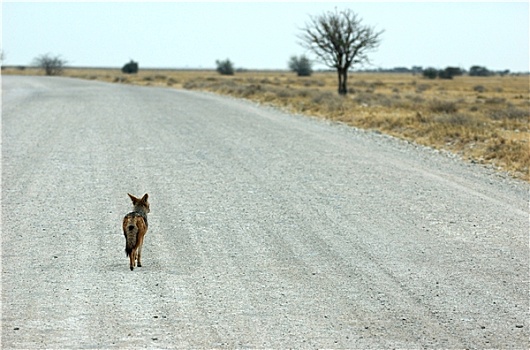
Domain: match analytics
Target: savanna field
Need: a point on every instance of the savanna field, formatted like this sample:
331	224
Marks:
482	119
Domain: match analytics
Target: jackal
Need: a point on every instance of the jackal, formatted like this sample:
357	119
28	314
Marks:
135	228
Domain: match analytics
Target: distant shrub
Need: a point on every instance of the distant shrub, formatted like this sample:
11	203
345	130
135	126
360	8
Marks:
478	71
225	67
449	73
454	71
130	68
430	73
51	65
301	65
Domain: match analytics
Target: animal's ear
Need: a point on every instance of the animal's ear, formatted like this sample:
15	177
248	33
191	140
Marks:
144	198
133	198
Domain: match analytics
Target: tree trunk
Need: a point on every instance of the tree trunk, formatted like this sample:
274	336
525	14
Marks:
345	82
343	79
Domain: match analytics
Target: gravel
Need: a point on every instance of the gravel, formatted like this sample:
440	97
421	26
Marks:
267	230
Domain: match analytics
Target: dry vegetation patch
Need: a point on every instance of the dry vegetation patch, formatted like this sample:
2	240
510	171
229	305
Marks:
483	119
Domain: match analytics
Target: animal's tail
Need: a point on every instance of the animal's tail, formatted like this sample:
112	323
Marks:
130	230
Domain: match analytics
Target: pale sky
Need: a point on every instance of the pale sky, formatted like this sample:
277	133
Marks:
261	35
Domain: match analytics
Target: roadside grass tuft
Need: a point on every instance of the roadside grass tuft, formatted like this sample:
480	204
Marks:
438	106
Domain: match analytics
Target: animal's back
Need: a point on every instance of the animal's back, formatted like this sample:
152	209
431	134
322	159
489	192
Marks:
134	224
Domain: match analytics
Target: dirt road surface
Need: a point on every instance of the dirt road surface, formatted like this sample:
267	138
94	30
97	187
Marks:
267	230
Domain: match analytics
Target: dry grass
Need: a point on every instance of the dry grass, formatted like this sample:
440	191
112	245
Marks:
483	119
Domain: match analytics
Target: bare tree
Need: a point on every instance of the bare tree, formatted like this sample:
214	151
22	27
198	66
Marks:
51	65
340	40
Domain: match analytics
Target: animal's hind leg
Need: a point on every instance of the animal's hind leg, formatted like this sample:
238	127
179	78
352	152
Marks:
139	256
132	259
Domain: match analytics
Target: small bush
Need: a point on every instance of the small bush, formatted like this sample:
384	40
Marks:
422	87
321	97
130	68
285	93
328	101
249	90
225	67
430	73
372	99
495	100
121	80
479	88
51	65
447	107
444	75
190	85
172	81
479	71
511	113
301	65
457	119
449	73
315	82
377	84
415	99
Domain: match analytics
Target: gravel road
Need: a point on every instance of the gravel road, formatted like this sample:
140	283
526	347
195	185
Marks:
267	230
